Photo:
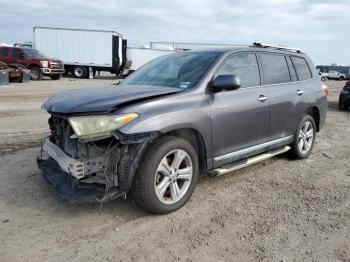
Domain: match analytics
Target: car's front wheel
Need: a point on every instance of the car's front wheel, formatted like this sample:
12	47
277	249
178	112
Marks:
304	137
35	73
167	176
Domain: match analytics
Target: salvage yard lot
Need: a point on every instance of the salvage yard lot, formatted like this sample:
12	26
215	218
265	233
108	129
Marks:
278	210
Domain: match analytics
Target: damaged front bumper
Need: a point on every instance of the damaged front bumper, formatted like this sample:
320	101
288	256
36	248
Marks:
73	190
98	178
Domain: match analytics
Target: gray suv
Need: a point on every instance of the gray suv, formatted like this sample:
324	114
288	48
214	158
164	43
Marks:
211	111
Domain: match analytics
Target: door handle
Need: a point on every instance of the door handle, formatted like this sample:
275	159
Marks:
300	93
262	98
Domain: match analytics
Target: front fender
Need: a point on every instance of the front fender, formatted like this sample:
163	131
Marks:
193	118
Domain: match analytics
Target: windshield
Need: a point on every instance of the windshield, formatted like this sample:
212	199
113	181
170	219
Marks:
32	52
181	70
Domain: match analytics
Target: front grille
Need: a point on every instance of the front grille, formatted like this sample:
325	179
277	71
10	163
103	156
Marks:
56	64
61	133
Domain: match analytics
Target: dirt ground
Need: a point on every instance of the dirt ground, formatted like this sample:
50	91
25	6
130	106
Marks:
278	210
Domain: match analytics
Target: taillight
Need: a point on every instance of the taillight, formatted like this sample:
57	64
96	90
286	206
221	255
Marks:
325	89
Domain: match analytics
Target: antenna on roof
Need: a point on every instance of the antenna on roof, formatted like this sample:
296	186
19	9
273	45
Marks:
280	47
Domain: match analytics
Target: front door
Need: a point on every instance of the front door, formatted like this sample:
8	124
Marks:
239	117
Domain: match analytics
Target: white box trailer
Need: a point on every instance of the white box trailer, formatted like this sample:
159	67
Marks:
137	57
82	50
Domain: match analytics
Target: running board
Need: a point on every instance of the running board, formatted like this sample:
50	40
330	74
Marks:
249	161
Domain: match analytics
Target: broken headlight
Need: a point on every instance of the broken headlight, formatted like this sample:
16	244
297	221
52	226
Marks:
93	127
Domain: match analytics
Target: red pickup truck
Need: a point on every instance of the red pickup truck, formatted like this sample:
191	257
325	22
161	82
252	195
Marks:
32	59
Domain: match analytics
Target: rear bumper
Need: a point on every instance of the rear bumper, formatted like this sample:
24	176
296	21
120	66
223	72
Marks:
49	71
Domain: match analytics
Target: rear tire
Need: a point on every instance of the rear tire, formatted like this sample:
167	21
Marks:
80	72
162	184
35	73
304	138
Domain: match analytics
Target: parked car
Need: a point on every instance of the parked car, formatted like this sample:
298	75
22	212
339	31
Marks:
15	71
213	111
34	60
335	75
324	76
344	97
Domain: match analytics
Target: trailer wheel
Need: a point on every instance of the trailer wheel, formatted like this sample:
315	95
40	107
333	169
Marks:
80	72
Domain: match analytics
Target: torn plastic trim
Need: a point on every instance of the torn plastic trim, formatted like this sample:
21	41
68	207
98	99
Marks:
73	190
135	138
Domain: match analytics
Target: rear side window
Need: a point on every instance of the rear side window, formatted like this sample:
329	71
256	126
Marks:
275	69
16	53
302	68
293	75
244	66
4	51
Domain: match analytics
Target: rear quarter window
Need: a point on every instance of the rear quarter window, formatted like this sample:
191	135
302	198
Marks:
303	70
275	69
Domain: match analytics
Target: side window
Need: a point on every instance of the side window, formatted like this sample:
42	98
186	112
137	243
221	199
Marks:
4	51
275	69
244	66
16	53
302	68
293	75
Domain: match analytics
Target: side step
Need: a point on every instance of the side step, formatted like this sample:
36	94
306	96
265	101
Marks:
249	161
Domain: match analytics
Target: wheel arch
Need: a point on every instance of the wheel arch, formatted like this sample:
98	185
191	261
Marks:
314	112
32	65
196	140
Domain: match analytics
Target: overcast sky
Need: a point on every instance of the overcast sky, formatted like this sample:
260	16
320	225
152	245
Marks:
319	27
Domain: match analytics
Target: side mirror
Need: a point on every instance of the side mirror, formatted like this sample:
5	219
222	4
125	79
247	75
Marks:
225	82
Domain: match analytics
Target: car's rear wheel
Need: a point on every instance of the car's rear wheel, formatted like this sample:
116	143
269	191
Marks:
304	137
167	176
79	72
35	73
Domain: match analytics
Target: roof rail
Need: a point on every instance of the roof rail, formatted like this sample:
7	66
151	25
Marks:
280	47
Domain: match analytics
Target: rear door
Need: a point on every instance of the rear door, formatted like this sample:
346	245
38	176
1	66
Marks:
239	117
279	80
18	57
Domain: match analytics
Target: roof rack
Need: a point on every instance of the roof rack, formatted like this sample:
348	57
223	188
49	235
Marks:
280	47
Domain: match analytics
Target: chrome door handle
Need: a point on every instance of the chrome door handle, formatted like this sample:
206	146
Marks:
262	98
300	93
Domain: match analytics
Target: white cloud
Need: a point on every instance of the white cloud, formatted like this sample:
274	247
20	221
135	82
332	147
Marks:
313	25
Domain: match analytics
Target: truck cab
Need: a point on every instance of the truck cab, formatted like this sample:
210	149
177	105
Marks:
39	64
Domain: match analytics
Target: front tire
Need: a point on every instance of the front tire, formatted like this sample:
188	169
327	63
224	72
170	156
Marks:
35	73
304	138
167	176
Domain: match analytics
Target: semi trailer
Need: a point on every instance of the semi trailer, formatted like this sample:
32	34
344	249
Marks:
82	51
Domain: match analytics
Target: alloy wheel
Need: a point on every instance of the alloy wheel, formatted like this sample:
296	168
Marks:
306	137
173	176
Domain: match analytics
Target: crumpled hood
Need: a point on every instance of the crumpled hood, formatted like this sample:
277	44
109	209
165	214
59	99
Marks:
102	100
